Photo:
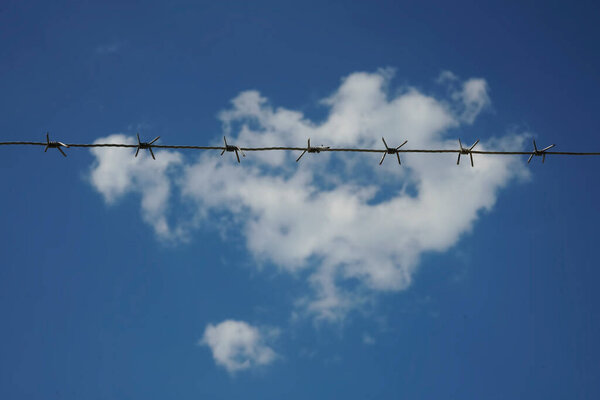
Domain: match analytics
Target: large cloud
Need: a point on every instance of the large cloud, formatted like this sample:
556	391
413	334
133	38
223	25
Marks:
358	228
236	345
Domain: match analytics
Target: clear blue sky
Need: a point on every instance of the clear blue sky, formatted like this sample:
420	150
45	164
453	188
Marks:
96	303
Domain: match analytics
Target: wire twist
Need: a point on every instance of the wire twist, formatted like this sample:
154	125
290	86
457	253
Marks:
48	144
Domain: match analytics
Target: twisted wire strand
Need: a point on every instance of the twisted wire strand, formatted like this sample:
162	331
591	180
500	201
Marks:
286	148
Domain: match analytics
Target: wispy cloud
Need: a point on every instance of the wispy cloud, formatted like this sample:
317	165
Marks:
474	97
446	77
329	215
237	345
368	339
109	48
470	97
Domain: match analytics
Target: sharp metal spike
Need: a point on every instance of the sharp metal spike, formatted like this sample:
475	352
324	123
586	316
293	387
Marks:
530	157
309	143
137	151
154	140
298	159
46	149
138	137
223	152
458	161
535	146
382	158
237	155
474	144
406	141
471	155
48	137
151	153
385	144
62	152
460	144
63	145
398	156
549	147
225	140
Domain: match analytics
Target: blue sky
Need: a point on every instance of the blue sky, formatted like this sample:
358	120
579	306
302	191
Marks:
194	277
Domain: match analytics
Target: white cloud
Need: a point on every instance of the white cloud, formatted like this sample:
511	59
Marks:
474	96
328	214
109	48
368	339
237	346
116	172
446	77
469	98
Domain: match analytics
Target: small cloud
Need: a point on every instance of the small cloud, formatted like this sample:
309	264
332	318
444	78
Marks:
109	48
237	345
474	96
139	127
446	77
368	339
335	359
470	97
305	352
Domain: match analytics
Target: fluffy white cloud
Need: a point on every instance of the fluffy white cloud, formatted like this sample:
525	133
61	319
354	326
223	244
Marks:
357	227
236	345
474	95
116	173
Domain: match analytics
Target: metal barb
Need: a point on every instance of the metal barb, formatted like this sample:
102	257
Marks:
310	149
234	149
464	150
145	145
391	150
538	153
54	145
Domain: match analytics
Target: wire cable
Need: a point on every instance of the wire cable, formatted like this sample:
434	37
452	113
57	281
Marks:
317	149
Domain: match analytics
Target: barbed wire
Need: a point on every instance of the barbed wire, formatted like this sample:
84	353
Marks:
461	150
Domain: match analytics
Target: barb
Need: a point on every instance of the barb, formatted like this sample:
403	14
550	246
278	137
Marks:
468	151
48	144
231	148
310	149
146	145
391	150
537	152
54	145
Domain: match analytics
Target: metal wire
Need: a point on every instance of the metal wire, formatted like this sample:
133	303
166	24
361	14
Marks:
317	149
340	149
